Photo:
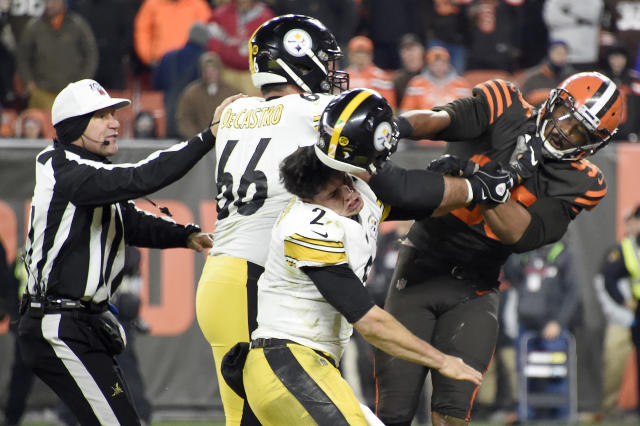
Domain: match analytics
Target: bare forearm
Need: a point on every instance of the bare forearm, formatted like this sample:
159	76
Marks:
383	331
427	123
508	221
456	194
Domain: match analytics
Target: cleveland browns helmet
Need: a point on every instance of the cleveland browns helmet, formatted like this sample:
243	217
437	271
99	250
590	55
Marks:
579	117
299	50
357	131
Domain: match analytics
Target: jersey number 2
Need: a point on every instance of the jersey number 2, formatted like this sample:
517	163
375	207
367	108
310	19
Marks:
224	182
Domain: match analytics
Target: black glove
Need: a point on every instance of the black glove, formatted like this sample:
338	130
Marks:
526	158
453	166
491	184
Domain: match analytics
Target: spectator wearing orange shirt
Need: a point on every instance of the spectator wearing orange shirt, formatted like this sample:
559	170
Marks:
364	73
163	25
438	84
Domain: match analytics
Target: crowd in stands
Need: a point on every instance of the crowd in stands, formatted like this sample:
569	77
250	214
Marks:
415	53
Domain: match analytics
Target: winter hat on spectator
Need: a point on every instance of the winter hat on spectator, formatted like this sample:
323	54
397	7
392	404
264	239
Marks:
360	43
409	39
75	104
199	34
437	52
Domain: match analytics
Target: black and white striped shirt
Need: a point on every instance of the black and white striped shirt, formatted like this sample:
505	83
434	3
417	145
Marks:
81	216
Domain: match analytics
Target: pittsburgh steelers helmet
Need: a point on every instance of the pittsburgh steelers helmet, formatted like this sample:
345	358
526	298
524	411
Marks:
299	50
357	131
588	98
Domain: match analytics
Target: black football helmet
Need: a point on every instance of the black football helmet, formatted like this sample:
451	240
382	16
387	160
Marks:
299	50
357	131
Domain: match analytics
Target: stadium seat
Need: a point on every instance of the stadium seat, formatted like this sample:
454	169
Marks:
475	77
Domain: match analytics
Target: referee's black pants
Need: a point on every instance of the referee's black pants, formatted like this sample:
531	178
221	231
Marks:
64	352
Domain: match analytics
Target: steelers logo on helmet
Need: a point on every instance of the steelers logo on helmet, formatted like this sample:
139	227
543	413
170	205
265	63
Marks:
297	42
361	118
382	136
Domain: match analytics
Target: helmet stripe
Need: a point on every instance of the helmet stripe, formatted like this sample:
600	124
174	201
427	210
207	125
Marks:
342	120
602	99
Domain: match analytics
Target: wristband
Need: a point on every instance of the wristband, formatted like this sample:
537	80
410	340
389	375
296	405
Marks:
405	129
470	192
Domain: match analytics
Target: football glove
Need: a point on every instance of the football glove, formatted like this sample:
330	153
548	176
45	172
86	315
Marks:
491	184
526	158
453	166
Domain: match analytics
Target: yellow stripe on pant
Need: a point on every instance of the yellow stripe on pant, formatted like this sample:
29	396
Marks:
222	313
276	402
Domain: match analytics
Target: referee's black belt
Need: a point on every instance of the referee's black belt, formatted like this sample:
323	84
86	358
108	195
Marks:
279	343
52	305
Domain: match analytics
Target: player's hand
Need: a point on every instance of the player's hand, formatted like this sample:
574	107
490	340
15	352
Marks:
200	241
453	166
455	368
218	112
552	330
526	158
491	184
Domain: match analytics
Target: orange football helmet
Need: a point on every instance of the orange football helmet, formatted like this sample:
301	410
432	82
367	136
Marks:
580	116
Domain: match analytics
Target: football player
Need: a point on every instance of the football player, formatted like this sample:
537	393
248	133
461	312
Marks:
292	60
311	294
445	285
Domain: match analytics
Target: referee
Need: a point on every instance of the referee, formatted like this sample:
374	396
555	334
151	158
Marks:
81	218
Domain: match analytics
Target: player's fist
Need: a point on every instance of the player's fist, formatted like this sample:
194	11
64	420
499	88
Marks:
491	184
453	166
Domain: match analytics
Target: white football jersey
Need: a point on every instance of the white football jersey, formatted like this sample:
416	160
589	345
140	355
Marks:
289	304
254	136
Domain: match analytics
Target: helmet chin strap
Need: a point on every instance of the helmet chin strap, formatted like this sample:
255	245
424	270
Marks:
293	75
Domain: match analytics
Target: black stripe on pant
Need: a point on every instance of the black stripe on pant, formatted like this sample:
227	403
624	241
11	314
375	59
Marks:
65	353
294	377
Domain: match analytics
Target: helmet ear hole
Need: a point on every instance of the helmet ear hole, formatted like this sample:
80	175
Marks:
303	47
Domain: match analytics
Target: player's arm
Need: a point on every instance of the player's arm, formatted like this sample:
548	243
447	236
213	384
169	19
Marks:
344	291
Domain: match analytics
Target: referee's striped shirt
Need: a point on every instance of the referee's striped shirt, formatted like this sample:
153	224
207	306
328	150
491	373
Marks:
81	216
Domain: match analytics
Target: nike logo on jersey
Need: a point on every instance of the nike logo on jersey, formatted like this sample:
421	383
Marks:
325	235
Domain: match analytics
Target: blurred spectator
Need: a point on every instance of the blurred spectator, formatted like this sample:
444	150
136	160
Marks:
163	25
494	34
618	346
622	22
144	126
7	66
176	70
577	23
21	12
31	124
112	25
623	262
616	67
385	22
339	16
438	84
232	25
364	73
447	26
537	82
55	49
546	281
13	281
535	37
412	63
200	98
8	118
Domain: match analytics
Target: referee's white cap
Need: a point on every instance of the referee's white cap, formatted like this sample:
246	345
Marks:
83	97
